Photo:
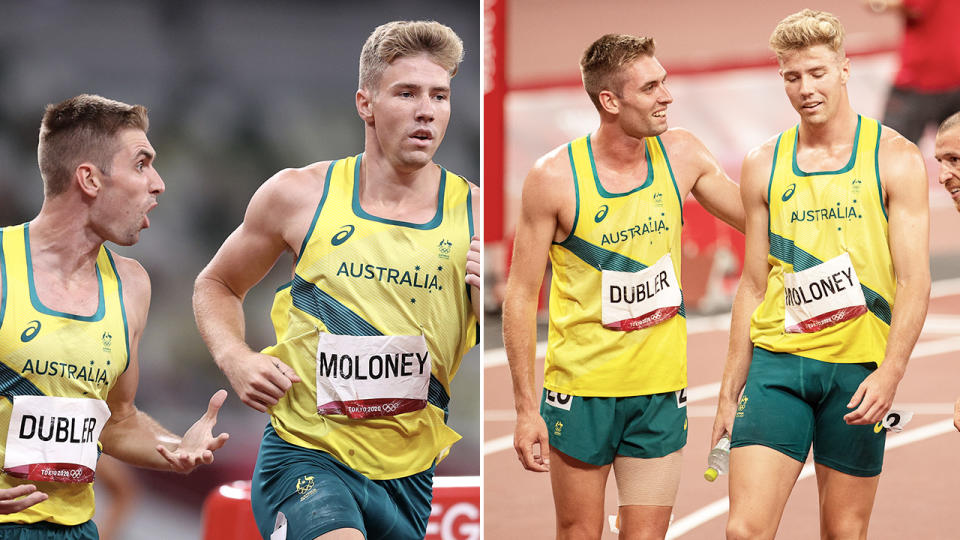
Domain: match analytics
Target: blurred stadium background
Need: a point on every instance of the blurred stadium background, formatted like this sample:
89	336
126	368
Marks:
727	91
236	91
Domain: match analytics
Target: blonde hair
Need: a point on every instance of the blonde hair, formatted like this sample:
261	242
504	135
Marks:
399	39
81	129
805	29
604	59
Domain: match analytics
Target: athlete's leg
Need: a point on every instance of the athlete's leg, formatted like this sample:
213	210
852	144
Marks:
342	534
647	489
761	479
578	490
845	503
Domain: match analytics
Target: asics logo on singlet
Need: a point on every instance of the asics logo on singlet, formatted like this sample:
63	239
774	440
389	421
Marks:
602	213
342	236
30	332
788	192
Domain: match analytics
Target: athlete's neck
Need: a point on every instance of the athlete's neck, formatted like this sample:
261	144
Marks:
61	241
837	131
391	192
616	149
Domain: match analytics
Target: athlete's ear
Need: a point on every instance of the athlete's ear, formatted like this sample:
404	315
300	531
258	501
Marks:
844	70
365	105
609	101
88	178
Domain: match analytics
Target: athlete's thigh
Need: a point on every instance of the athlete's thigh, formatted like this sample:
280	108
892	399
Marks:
846	502
313	492
854	450
772	411
578	492
761	479
647	489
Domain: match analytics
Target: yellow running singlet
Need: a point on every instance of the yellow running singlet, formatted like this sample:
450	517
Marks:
360	275
621	232
816	217
48	353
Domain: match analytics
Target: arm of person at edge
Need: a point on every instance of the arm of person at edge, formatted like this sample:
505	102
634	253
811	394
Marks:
697	171
276	220
130	434
752	287
956	415
536	230
473	277
904	182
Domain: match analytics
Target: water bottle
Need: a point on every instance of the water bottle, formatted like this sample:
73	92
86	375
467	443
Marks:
719	459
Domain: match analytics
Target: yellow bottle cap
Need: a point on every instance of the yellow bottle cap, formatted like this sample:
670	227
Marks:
710	474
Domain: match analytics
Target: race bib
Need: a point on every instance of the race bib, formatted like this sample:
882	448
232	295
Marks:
368	376
54	439
636	300
822	296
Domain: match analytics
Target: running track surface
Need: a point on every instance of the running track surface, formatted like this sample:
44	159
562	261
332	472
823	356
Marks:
918	488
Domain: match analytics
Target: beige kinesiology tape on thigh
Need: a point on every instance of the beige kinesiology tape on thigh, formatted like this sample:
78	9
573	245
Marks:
648	482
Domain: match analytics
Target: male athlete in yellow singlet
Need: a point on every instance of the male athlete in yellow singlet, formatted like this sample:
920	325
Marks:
71	316
606	210
374	323
947	152
834	291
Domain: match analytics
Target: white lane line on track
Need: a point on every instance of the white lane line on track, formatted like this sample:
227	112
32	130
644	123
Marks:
722	506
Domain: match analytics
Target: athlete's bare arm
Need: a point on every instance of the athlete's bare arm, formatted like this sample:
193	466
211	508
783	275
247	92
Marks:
130	434
277	220
474	279
698	171
753	285
547	190
904	181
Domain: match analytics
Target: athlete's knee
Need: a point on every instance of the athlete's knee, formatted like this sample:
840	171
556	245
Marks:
844	530
745	528
648	482
574	527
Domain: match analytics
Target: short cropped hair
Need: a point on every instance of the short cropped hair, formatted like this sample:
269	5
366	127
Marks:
602	63
399	39
951	121
805	29
82	129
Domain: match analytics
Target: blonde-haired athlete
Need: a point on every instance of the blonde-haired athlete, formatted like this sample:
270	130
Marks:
373	325
833	295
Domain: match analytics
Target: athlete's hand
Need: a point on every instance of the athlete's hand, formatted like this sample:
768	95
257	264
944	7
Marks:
198	443
723	422
258	379
874	397
956	415
12	500
473	263
532	430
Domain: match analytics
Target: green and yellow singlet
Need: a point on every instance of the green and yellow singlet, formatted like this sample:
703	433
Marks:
48	353
360	275
816	217
622	233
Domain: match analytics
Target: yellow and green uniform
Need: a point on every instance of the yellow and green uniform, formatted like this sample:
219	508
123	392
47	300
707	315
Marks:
360	275
624	232
814	217
44	352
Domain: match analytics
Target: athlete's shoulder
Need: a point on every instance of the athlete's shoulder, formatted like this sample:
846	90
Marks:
135	286
551	167
763	153
897	156
679	137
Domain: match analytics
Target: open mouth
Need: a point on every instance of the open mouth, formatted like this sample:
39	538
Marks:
660	114
422	135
